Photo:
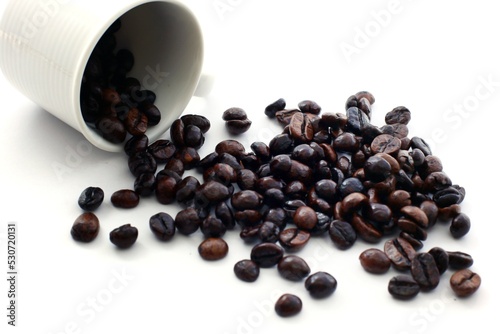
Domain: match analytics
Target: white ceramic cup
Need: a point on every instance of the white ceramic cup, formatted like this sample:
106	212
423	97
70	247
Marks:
45	46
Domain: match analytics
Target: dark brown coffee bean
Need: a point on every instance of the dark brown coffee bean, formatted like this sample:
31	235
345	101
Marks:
375	261
176	166
246	199
266	254
386	144
284	116
419	143
151	112
308	106
274	107
125	198
162	150
187	221
212	227
268	232
193	136
400	252
431	210
189	157
145	184
162	225
301	128
364	94
124	236
288	305
459	260
222	173
416	215
441	258
246	179
365	229
403	287
416	243
186	189
281	144
234	114
293	239
111	129
377	169
465	282
166	188
136	145
449	212
248	217
237	127
354	202
246	270
91	198
305	218
425	271
293	268
277	216
136	122
398	115
460	226
412	228
398	199
321	284
110	96
85	227
346	142
141	163
225	214
177	133
197	120
232	147
211	192
342	234
213	249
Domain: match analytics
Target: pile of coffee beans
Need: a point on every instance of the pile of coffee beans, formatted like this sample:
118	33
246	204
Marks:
113	103
333	174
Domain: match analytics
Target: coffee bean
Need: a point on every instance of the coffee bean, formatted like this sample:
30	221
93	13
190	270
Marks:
151	111
125	199
193	136
465	282
136	144
177	133
162	150
288	305
441	258
459	260
350	185
212	227
460	226
111	129
284	116
225	214
425	272
342	234
145	184
400	252
293	268
246	270
238	127
165	189
211	192
281	144
85	227
189	157
141	163
353	202
274	107
301	128
308	106
136	122
124	236
321	285
305	218
375	261
246	179
268	232
232	147
162	225
293	239
357	120
403	287
386	144
419	143
248	217
398	115
222	173
377	169
91	198
266	254
197	120
213	249
174	165
187	221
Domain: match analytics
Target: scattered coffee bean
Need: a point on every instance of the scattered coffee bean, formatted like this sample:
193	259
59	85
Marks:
321	284
85	228
460	226
288	305
425	271
213	249
465	282
375	261
266	254
459	260
125	199
293	268
403	287
163	226
91	198
124	236
247	270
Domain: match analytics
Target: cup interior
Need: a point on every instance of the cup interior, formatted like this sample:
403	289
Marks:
167	44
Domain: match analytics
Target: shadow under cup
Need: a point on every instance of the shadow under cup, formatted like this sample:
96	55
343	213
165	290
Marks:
168	49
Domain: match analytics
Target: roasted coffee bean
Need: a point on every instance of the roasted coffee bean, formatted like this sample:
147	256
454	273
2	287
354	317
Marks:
441	259
274	107
177	133
364	94
248	217
237	127
365	229
378	212
266	254
412	228
274	197
459	260
326	189
431	211
438	181
186	189
212	227
425	272
187	221
222	173
346	142
162	150
234	114
176	166
449	212
400	252
250	234
398	199
264	183
465	282
111	129
193	136
398	115
365	106
162	225
375	261
200	121
211	192
321	284
323	224
357	120
300	172
295	190
353	202
403	287
285	116
288	305
189	157
280	165
151	112
301	128
125	199
305	218
293	239
225	214
308	106
386	144
246	270
85	227
250	161
277	216
416	215
350	185
342	234
124	236
460	226
261	150
269	232
419	143
136	122
136	145
246	199
213	249
281	144
145	184
246	179
91	198
377	169
141	163
416	243
293	268
166	188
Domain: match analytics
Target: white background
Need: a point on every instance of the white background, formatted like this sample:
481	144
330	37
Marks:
432	57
